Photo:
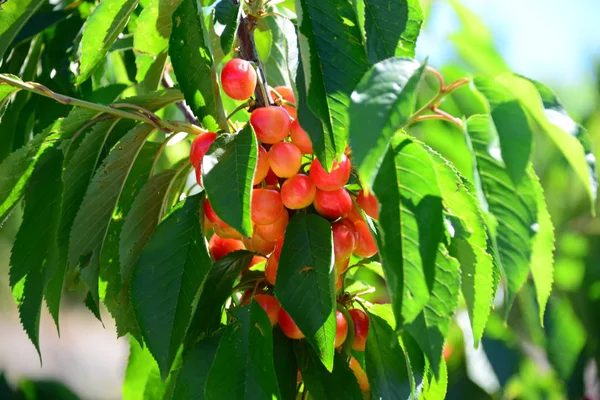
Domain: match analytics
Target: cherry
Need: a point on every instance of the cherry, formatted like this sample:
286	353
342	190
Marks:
355	214
271	124
270	305
272	180
344	239
298	192
360	375
447	351
200	146
288	326
246	297
300	138
341	329
198	171
338	283
262	166
238	79
333	204
271	269
266	206
220	247
278	247
273	231
369	203
365	247
342	265
210	214
360	319
288	95
255	260
227	232
338	177
258	244
285	159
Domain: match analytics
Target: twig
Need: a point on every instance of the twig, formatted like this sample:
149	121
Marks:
182	105
239	108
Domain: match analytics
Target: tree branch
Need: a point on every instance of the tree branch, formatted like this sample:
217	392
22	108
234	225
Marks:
182	105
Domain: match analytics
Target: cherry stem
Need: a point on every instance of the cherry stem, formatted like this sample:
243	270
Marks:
239	108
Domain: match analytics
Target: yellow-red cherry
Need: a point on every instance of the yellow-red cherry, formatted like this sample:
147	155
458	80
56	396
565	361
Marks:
238	79
338	177
271	124
333	204
298	192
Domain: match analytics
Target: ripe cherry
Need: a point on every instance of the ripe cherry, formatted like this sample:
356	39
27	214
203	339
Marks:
271	124
200	146
339	283
220	247
341	266
238	79
212	216
366	246
298	192
266	206
270	305
333	204
258	244
227	232
344	239
369	203
360	319
288	326
288	95
262	166
285	159
341	329
271	180
278	247
273	231
300	138
255	260
271	269
338	177
360	375
355	214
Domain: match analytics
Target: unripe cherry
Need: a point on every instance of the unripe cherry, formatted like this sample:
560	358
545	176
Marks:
271	124
338	177
271	269
298	192
238	79
360	319
262	166
360	375
273	231
258	244
270	305
300	138
266	206
288	95
200	146
220	247
285	159
341	329
369	204
333	204
288	326
344	239
366	246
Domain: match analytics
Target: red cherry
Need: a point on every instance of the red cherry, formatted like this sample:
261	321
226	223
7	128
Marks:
200	146
342	265
262	166
238	79
266	206
246	297
273	231
344	239
227	232
255	260
360	375
258	244
271	124
298	192
333	204
285	159
288	326
300	138
288	95
270	305
366	246
212	216
338	283
369	203
355	214
198	171
271	269
278	247
272	180
341	329
220	247
338	177
360	319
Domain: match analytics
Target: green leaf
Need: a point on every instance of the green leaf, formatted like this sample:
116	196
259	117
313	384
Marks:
227	19
5	91
477	265
94	216
411	225
513	206
306	282
34	254
334	60
386	364
166	280
197	361
151	38
392	28
338	383
100	31
227	174
243	366
217	288
284	43
193	65
435	388
285	364
382	103
15	15
512	124
142	377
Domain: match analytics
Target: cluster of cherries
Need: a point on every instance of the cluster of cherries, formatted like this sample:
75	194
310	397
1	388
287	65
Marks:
289	178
